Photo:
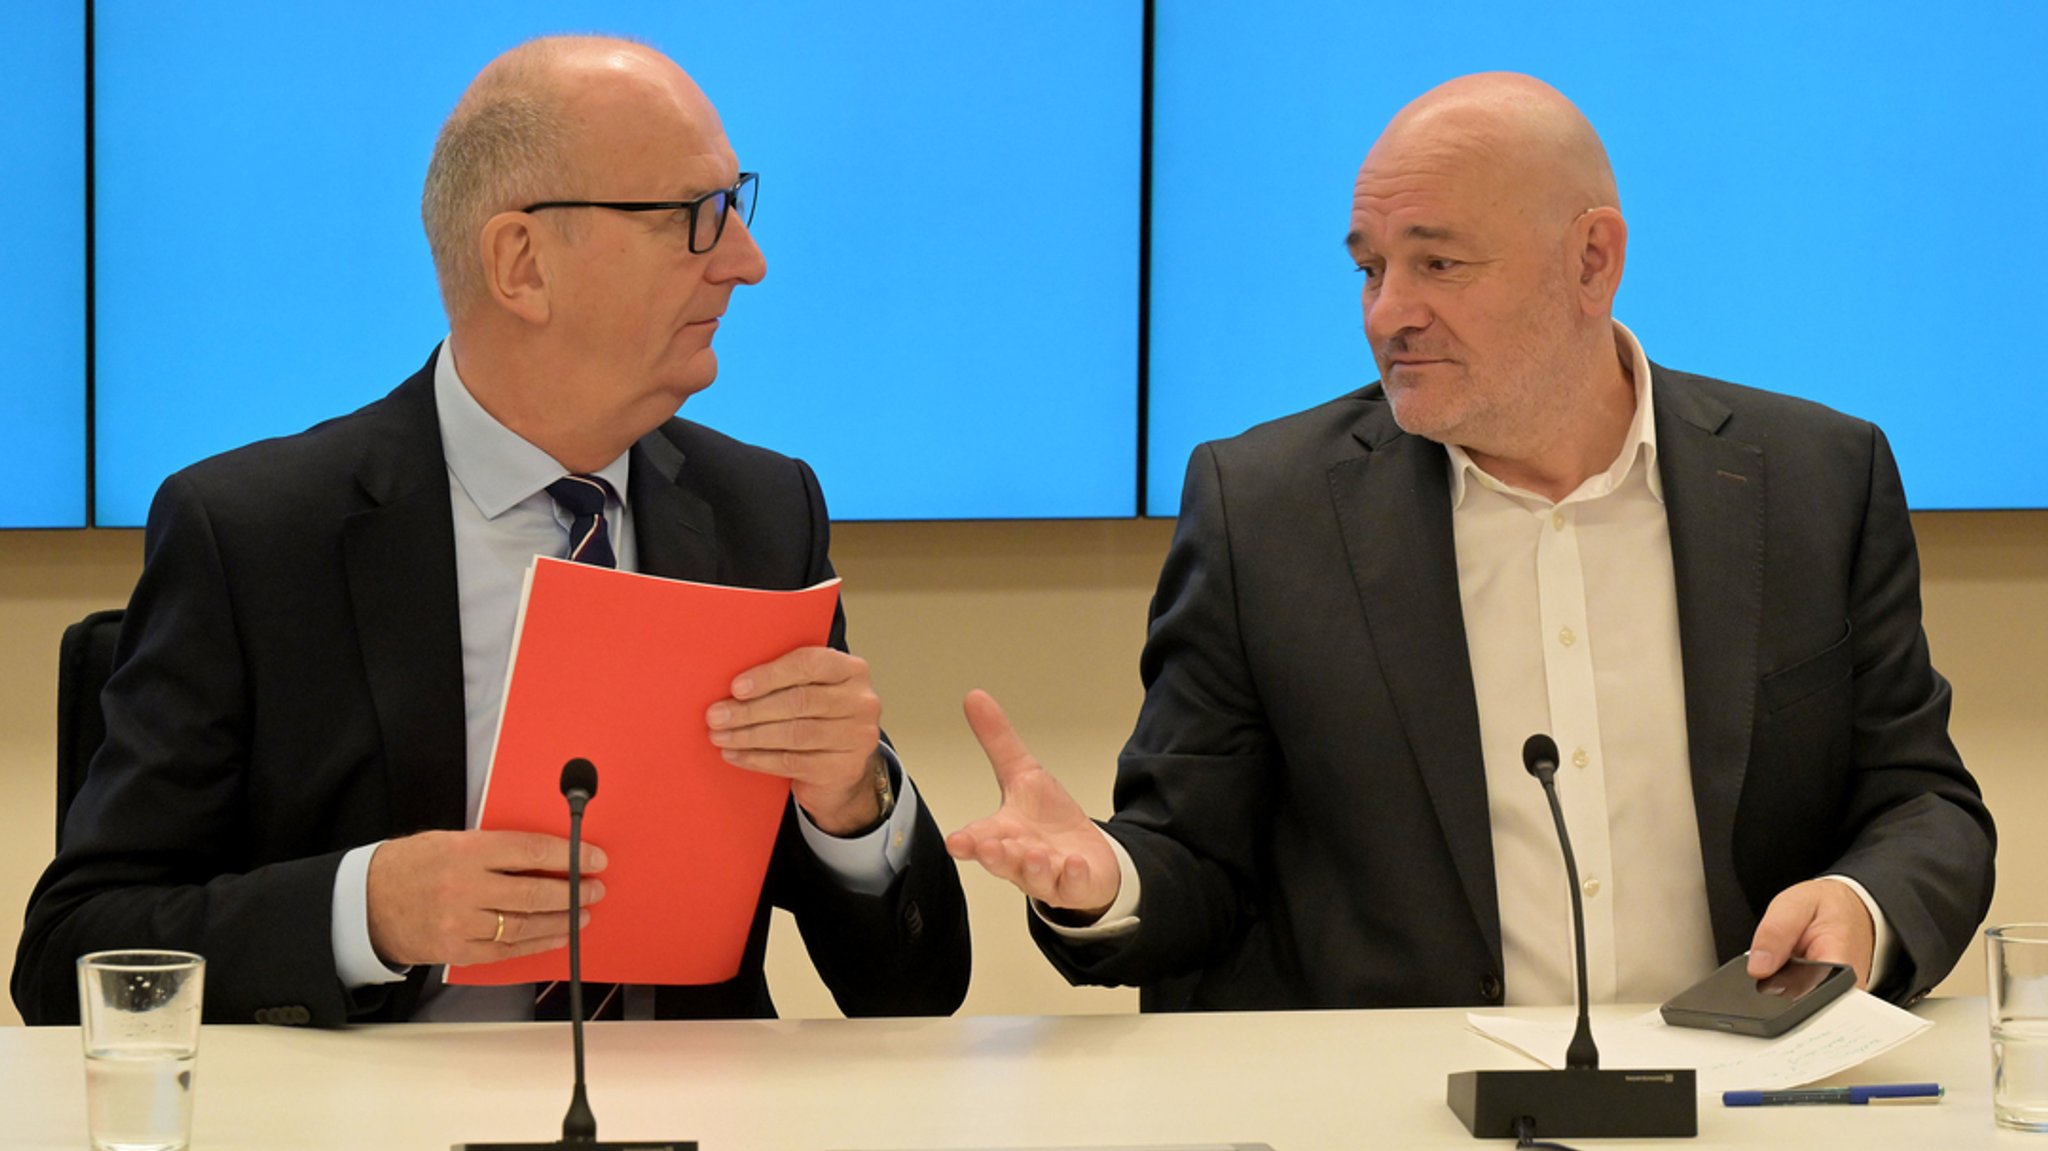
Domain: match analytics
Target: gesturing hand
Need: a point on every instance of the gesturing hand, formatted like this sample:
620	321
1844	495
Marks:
1039	839
459	897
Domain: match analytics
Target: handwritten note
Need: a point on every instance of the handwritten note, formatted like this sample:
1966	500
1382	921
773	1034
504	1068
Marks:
1855	1028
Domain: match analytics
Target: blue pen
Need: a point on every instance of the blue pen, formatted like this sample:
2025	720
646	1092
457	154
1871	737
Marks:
1872	1093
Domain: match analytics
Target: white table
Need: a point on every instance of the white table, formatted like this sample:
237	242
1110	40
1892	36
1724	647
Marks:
1302	1081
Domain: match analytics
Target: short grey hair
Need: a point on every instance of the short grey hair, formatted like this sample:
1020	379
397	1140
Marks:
506	144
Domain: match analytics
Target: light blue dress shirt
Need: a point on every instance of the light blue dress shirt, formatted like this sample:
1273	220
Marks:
504	517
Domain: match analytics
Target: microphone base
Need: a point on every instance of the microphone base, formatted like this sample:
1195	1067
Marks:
590	1145
593	1145
1577	1104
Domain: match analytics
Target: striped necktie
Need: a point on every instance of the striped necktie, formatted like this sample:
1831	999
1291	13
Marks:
590	542
590	538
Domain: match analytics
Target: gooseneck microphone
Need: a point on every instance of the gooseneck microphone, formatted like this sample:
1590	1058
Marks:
579	787
1580	1100
1539	756
579	1126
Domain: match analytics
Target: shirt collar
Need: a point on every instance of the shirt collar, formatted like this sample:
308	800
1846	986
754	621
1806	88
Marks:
497	467
1639	443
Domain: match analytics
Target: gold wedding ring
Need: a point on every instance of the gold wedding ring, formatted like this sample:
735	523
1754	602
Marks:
498	936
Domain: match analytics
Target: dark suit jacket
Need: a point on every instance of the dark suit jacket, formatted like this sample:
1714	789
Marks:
288	685
1304	795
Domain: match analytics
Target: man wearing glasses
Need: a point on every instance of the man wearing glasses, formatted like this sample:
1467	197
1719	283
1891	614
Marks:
311	669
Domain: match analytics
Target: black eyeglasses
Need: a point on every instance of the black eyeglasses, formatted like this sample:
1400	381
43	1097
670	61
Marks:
705	226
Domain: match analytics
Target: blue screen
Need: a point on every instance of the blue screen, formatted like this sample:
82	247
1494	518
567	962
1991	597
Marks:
1843	201
949	208
42	265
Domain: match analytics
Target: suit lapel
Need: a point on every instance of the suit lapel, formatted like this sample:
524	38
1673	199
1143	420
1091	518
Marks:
674	530
399	560
1393	508
1714	500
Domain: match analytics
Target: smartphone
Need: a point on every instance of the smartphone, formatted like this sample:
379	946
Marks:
1729	1000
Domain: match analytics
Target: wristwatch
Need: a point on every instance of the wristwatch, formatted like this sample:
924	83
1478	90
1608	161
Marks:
883	779
884	782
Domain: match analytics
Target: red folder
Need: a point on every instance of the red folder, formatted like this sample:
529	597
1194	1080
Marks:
619	668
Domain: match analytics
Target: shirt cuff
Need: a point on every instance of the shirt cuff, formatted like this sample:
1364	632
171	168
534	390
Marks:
1883	945
1122	917
355	959
868	864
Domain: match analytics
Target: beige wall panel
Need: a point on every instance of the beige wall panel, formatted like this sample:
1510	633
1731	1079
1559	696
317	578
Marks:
1049	616
47	580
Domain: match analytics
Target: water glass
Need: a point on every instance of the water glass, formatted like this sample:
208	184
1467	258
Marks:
2017	959
139	1015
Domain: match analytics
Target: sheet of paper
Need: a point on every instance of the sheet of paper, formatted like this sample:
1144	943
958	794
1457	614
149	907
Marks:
1855	1028
619	668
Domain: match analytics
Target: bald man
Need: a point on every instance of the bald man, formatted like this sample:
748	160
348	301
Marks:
1707	594
309	676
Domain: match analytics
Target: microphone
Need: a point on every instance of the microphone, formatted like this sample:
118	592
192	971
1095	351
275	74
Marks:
1539	756
579	1126
579	783
579	787
1580	1100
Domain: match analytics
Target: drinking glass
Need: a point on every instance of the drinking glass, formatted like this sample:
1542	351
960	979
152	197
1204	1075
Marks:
139	1016
2017	958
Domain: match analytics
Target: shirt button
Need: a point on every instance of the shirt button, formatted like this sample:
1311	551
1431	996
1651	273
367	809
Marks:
1591	887
897	840
1580	758
1566	637
1557	520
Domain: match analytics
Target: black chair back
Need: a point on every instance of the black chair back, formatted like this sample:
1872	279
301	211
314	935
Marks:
85	657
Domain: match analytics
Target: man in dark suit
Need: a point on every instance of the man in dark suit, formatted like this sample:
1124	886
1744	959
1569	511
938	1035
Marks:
1708	593
301	712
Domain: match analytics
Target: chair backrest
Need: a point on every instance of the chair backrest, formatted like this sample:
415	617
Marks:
85	657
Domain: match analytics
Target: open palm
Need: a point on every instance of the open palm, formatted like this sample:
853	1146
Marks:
1039	839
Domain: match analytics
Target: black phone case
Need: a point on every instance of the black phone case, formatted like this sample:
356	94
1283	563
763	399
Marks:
1678	1013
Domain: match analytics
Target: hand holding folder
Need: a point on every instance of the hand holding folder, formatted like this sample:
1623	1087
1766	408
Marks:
622	669
811	716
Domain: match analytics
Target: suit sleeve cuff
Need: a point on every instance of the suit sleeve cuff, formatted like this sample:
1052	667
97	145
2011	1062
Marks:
1122	917
1883	945
355	960
868	864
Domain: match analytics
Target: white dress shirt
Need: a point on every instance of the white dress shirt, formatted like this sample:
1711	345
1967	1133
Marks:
1571	622
503	518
